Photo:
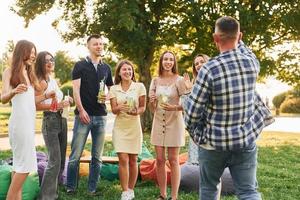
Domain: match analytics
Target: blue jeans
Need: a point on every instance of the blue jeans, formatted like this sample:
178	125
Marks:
80	134
242	164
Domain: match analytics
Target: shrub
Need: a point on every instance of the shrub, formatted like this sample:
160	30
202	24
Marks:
291	105
67	87
278	99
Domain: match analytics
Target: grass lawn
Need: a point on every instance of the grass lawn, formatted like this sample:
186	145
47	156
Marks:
278	172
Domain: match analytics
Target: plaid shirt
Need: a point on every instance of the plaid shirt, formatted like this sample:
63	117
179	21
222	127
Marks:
223	110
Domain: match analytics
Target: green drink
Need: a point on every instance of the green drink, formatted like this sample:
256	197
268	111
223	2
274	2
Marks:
101	92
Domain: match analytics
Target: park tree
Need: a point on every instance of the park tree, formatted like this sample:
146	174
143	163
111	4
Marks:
63	66
6	56
139	28
267	26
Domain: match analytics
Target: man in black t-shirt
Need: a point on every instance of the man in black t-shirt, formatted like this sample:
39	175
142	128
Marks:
90	116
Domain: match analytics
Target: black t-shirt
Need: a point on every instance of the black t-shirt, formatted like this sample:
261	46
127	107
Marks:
89	87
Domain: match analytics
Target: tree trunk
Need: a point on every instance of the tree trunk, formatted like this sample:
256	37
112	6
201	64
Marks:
145	78
277	112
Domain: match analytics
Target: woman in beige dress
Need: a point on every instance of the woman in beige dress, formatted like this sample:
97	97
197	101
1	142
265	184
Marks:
128	102
168	126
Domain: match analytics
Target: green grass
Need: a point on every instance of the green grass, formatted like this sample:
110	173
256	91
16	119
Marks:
278	172
278	177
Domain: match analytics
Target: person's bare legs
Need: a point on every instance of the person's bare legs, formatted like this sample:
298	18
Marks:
219	189
161	173
15	188
173	157
123	170
133	170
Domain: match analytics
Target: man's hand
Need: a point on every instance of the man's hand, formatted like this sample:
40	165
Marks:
84	117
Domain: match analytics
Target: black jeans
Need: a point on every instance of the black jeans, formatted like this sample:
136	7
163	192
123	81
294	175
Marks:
54	129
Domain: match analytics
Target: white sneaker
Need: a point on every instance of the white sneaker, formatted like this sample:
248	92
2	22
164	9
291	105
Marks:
131	194
125	195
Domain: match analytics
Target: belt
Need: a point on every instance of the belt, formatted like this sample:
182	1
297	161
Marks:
49	113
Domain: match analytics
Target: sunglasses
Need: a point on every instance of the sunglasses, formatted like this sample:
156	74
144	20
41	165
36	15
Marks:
51	60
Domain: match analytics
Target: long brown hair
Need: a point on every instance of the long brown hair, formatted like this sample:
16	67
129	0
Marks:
205	58
21	54
118	68
160	67
40	65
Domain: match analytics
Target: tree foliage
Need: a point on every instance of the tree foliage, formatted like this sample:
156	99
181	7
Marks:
139	28
6	56
63	66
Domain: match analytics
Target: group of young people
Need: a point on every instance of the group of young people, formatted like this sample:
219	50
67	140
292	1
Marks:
219	108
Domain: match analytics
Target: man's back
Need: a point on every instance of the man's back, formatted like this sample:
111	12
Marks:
234	114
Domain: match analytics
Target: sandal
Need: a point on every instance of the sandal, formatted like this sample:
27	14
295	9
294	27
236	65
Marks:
161	198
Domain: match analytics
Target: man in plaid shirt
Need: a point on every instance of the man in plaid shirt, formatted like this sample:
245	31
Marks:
224	114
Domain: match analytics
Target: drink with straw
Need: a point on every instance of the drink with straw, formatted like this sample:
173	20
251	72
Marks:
101	92
66	110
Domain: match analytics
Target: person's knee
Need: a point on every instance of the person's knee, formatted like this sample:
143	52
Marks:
54	166
133	161
160	161
55	159
123	160
174	161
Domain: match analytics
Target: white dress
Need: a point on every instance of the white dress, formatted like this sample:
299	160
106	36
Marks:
21	132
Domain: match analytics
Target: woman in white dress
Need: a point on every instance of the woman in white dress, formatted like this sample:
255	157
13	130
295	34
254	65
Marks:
19	84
